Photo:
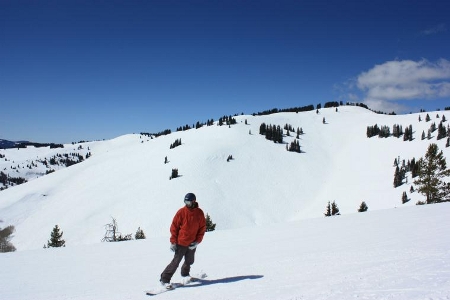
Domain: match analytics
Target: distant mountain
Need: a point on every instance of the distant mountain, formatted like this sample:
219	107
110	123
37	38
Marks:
130	178
5	144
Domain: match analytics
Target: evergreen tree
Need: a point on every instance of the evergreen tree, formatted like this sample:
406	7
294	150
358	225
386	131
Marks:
406	135
442	131
363	207
404	198
294	146
140	235
56	238
174	174
433	127
398	177
432	170
414	168
263	129
210	226
334	209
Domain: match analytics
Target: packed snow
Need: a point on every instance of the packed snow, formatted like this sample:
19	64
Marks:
271	240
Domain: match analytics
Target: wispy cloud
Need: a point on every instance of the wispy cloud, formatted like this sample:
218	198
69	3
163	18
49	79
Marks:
384	85
435	30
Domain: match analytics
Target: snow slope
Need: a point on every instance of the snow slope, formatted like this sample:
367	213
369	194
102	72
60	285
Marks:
271	239
385	254
126	177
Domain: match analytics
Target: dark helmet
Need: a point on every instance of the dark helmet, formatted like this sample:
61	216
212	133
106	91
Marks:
189	200
189	197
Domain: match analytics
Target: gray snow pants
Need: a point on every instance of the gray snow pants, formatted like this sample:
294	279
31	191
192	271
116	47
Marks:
181	252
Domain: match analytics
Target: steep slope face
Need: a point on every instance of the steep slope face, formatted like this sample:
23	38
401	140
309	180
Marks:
126	178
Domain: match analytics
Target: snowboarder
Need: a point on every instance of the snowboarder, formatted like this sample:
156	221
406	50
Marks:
187	231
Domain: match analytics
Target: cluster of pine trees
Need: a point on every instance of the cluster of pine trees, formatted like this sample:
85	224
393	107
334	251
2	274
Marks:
196	126
289	128
332	104
294	146
176	143
332	209
443	132
292	109
402	168
227	120
384	131
39	145
164	132
7	180
66	159
272	132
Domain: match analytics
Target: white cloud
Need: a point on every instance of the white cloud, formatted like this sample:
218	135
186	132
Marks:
391	81
434	30
384	106
353	97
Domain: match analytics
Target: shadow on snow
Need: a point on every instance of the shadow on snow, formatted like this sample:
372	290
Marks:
225	280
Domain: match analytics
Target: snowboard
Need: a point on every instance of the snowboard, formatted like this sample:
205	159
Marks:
195	280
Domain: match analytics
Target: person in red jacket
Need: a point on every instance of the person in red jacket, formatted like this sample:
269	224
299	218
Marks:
186	232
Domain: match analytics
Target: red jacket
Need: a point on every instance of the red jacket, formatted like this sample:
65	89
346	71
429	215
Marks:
188	225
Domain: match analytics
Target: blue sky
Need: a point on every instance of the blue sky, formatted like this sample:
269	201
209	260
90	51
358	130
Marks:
86	70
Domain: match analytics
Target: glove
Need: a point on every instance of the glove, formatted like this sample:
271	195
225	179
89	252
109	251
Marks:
193	245
173	247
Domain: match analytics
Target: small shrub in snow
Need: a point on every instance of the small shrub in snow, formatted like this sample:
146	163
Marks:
112	233
5	235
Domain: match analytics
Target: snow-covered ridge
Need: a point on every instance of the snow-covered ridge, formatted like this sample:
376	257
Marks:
126	177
